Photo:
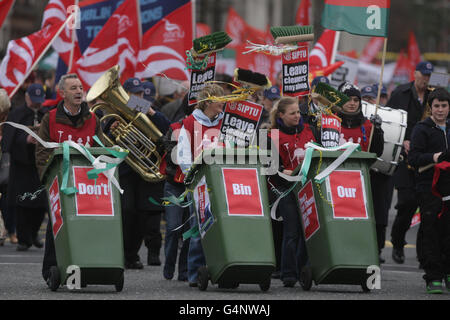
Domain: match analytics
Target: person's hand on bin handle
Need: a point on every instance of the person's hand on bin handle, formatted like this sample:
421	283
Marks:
376	120
445	156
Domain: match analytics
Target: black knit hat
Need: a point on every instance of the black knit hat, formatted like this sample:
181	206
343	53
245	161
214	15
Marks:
350	90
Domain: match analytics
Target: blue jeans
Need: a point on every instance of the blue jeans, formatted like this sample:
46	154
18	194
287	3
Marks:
196	257
175	216
293	250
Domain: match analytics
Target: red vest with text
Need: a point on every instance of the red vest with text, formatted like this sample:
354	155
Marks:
196	136
292	146
60	132
359	135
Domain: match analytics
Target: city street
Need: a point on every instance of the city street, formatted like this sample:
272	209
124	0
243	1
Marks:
20	278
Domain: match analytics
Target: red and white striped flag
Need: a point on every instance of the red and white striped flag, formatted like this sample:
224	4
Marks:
5	6
116	43
23	54
66	45
322	51
164	46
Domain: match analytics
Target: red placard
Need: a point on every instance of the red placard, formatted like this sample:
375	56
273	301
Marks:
55	207
295	72
240	121
93	198
330	130
242	192
308	209
199	78
347	194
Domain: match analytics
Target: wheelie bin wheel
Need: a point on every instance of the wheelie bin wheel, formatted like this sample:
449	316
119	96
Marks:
120	282
306	278
364	286
202	278
54	280
265	285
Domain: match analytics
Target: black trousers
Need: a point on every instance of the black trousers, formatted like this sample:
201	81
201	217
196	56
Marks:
407	204
382	189
435	237
152	232
49	251
29	221
277	231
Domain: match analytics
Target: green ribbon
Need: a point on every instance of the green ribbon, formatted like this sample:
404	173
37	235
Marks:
193	232
173	201
92	174
65	167
192	64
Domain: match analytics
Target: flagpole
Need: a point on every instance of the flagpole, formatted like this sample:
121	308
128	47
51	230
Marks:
194	18
335	46
73	38
40	57
380	85
138	6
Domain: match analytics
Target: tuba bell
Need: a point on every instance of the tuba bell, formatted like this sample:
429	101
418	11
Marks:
135	132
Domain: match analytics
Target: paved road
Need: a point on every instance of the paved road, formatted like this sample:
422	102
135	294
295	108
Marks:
20	278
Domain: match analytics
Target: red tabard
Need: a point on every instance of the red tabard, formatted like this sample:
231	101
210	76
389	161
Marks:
292	147
195	136
360	135
62	132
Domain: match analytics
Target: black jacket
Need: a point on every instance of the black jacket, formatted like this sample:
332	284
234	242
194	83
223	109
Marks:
23	174
426	140
405	97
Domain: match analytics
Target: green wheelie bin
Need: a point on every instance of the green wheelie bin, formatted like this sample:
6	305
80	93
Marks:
338	221
86	225
231	204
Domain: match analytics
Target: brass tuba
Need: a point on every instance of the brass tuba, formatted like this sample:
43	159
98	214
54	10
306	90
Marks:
135	132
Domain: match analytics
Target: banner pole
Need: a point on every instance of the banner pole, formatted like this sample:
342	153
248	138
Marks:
335	46
74	29
380	84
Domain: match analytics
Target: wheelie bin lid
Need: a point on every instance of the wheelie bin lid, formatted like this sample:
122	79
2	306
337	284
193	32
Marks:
95	151
263	157
369	156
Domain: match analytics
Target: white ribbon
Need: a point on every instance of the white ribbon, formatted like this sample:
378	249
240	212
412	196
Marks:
98	163
349	146
269	49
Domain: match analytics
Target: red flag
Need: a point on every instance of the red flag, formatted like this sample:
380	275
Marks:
326	70
371	50
240	31
322	51
22	55
413	49
202	30
58	11
5	6
116	43
402	69
303	13
164	46
413	54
